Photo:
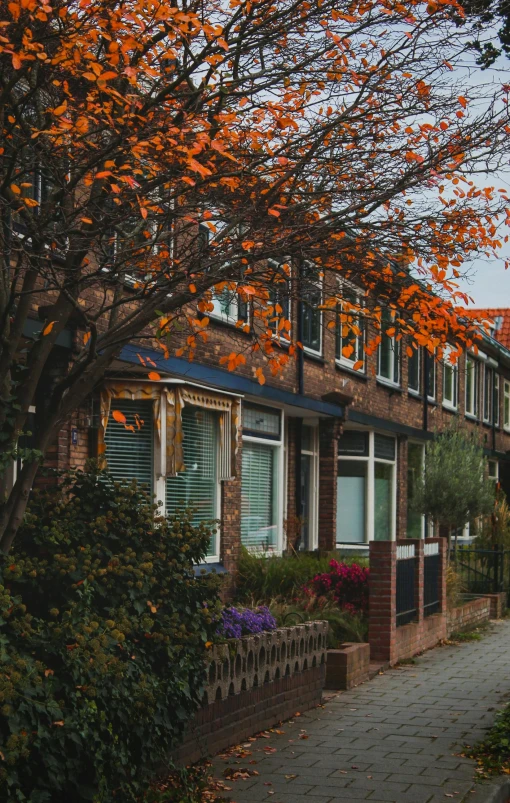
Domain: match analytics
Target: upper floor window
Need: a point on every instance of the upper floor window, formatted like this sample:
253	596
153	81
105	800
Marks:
278	302
506	404
450	380
229	307
472	384
414	370
388	354
350	329
431	375
311	314
490	394
496	399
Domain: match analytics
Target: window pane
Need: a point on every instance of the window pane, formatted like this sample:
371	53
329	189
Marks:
382	501
196	487
413	369
351	502
431	372
353	442
311	321
384	447
385	358
261	421
448	384
414	471
258	497
129	454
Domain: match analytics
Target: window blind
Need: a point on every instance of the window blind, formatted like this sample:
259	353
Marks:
258	508
129	455
196	487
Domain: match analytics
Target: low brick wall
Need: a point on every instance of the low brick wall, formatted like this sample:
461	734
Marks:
498	604
348	666
468	615
418	636
254	683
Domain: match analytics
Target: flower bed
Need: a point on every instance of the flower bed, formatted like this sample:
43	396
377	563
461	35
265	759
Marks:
348	584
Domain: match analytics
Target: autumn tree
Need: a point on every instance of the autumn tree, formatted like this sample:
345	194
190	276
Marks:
155	153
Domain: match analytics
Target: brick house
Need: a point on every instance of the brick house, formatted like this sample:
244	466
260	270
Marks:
318	457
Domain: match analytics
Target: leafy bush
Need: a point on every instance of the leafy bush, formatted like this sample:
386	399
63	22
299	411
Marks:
262	579
237	622
103	628
493	751
348	585
343	625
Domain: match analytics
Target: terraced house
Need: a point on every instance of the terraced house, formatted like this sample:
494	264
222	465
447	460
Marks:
321	455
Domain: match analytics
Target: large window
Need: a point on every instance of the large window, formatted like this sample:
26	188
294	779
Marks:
229	307
350	329
261	491
496	399
365	487
506	405
311	314
197	486
431	375
131	454
388	353
472	384
450	380
309	487
415	465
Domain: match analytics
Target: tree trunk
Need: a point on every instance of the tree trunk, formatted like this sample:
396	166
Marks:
16	505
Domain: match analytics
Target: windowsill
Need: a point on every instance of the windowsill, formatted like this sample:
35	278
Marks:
313	355
361	545
385	383
419	397
341	366
227	324
415	394
212	567
450	408
472	417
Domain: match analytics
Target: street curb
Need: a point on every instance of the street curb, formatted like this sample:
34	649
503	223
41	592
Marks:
490	793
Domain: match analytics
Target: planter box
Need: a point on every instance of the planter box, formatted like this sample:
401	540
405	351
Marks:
348	666
254	683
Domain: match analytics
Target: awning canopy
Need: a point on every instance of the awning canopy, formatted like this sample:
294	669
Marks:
230	381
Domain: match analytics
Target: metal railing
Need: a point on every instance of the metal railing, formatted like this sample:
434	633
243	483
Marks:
431	571
482	571
406	604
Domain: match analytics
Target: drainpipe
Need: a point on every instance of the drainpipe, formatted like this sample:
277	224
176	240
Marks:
425	424
299	421
494	409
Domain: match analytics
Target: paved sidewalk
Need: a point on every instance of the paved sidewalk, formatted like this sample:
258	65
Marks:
391	739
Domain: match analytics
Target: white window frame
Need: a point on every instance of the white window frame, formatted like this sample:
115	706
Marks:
309	349
473	413
278	445
281	336
313	524
370	461
496	400
395	359
488	419
493	477
159	480
506	396
450	404
359	352
431	397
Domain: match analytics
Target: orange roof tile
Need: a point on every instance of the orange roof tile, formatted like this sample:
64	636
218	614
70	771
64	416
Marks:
501	317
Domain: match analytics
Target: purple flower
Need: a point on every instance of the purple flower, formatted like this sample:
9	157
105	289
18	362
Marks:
237	622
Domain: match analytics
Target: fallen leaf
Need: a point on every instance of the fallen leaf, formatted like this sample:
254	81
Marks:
47	329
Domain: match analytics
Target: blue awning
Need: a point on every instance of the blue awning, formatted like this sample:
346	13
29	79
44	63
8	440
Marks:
225	380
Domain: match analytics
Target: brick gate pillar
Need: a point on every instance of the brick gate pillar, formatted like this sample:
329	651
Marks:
382	616
329	431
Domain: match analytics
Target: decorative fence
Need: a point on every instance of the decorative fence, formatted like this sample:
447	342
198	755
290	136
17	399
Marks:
482	571
406	597
431	575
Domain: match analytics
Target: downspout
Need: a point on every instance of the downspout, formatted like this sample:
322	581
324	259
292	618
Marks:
425	422
494	409
299	421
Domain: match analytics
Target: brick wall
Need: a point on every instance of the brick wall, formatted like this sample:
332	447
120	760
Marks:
469	615
348	666
226	722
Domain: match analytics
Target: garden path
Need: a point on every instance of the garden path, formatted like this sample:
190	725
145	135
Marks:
396	738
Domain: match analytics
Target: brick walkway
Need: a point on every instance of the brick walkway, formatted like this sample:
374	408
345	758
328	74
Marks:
391	739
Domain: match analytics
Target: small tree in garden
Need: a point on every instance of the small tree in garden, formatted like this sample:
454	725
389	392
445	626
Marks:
454	487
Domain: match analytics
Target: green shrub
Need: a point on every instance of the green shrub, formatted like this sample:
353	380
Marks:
493	752
103	628
262	579
343	625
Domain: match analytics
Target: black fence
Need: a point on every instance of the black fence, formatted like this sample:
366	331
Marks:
431	603
482	571
406	600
